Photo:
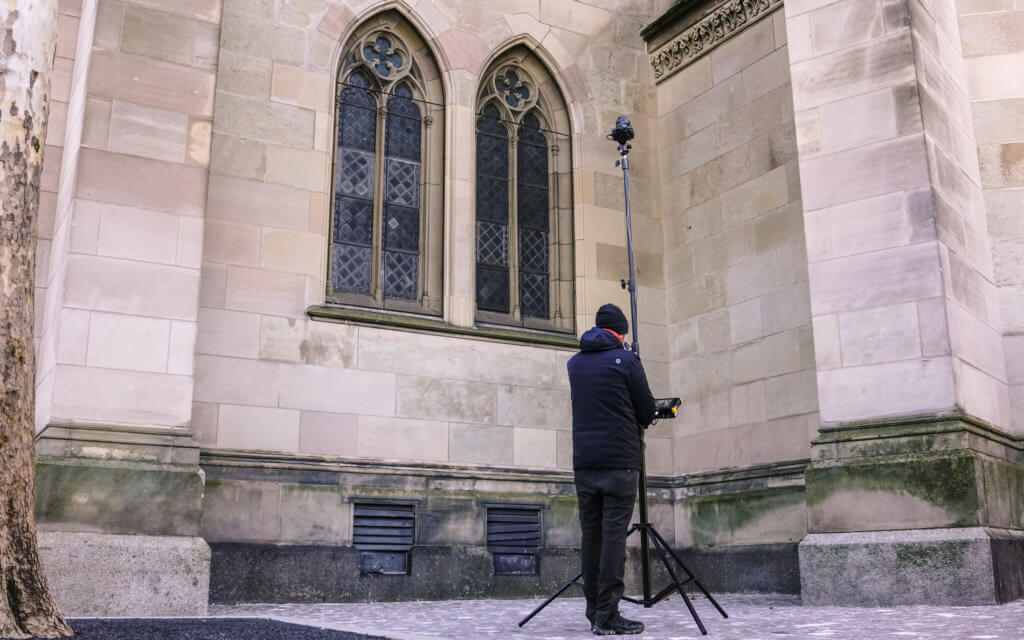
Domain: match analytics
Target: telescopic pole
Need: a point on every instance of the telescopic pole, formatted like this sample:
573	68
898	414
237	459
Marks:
630	286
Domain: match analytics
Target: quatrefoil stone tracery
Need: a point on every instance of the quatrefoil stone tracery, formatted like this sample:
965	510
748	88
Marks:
515	87
386	55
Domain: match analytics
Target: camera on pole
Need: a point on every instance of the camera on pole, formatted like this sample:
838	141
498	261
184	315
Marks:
666	408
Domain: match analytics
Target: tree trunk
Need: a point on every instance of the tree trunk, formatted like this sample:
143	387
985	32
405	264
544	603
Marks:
26	56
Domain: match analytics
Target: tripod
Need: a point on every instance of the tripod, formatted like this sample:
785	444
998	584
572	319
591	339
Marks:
649	536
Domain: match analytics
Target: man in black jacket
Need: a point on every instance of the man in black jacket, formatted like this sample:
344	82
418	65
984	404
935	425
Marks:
610	402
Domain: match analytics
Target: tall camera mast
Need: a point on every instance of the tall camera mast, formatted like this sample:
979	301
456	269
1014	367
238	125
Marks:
649	536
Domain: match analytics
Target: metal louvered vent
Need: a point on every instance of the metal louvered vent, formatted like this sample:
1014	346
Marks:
513	537
383	533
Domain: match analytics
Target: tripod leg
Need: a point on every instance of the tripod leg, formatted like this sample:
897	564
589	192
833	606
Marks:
549	600
689	573
658	544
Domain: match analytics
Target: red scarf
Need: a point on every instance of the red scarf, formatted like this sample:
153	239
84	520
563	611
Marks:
617	336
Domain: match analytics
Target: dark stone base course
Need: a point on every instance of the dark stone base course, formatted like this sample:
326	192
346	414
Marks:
758	568
203	629
249	572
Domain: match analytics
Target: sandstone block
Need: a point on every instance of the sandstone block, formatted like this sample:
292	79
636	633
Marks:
150	82
868	225
329	434
297	168
763	193
315	514
403	439
480	444
752	44
306	342
258	203
261	120
747	403
73	339
791	394
906	387
444	399
265	292
989	34
228	333
236	381
534	448
139	182
128	342
159	35
844	24
771	356
885	277
291	85
534	407
426	355
855	71
292	251
257	428
337	390
786	309
859	120
112	396
128	286
241	511
231	243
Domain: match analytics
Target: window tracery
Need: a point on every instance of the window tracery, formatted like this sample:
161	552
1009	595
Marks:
382	252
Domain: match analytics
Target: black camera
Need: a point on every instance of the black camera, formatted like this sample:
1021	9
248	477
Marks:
666	408
623	131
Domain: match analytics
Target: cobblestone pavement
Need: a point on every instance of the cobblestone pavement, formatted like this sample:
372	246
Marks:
750	618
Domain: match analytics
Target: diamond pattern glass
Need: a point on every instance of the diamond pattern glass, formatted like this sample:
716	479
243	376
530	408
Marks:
533	219
492	291
357	118
401	229
351	253
491	199
403	182
534	295
533	207
403	128
492	244
353	219
401	271
533	251
355	174
401	218
350	268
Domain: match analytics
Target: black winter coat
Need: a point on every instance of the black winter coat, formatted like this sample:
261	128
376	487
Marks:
610	401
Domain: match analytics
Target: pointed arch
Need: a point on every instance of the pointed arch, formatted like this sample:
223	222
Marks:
387	218
525	264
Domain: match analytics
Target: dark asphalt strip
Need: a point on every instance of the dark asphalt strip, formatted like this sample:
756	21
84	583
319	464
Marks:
203	629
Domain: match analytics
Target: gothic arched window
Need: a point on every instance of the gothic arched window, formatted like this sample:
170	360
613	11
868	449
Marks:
386	223
524	262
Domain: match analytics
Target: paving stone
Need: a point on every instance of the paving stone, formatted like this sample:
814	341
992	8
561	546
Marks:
750	617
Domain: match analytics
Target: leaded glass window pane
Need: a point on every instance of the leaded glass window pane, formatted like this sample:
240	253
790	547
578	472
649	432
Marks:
492	273
351	253
401	219
533	220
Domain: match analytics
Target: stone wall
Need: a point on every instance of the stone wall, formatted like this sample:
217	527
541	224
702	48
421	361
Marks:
737	304
993	47
270	378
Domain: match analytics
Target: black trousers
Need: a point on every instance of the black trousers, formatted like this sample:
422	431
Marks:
606	498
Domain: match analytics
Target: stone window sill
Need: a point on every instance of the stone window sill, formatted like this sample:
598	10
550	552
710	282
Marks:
368	317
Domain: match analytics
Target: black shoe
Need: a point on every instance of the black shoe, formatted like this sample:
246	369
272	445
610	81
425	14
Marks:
620	626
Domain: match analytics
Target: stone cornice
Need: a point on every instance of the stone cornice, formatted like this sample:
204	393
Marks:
722	23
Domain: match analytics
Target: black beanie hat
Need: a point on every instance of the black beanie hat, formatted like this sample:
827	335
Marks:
611	317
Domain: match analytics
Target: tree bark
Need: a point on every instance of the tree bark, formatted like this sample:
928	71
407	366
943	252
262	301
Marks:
27	45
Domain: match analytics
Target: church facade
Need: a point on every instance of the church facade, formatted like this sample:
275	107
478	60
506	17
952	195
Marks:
310	271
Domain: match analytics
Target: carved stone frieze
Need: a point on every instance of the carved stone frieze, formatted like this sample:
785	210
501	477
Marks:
724	22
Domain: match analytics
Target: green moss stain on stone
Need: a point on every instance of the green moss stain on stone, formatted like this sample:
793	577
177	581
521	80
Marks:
119	497
718	519
947	480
